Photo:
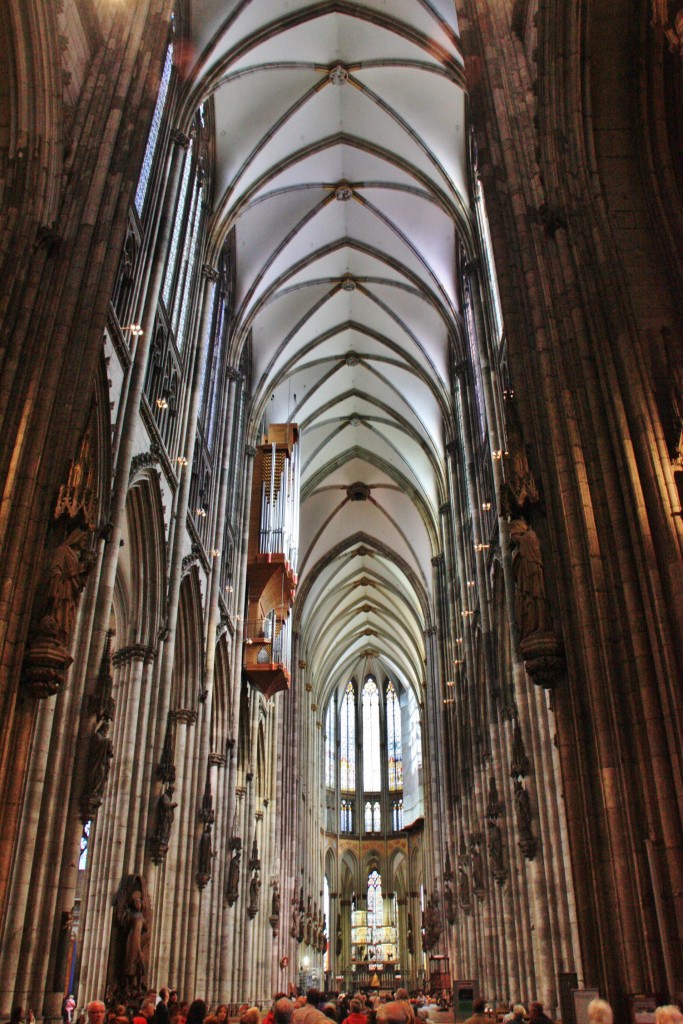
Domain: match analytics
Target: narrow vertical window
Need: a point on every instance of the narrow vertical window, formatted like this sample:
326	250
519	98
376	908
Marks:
372	774
177	227
348	740
368	816
330	746
326	915
474	353
183	296
394	747
376	817
83	848
153	137
375	909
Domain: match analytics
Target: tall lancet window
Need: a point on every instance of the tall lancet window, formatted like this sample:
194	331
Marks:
375	909
347	765
326	914
153	137
372	772
394	750
330	745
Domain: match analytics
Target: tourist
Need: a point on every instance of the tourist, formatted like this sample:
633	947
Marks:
600	1012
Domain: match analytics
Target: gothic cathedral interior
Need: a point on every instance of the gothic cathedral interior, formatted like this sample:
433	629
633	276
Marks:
341	476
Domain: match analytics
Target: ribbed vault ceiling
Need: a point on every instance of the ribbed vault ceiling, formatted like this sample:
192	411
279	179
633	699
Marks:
340	164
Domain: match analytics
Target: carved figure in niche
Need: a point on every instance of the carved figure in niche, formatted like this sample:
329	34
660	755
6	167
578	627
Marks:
254	895
133	915
69	570
520	481
477	868
410	941
531	607
165	814
275	902
496	850
232	888
463	889
205	857
294	930
523	807
431	924
100	754
340	939
449	902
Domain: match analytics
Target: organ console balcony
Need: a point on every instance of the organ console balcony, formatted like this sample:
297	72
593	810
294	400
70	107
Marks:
272	559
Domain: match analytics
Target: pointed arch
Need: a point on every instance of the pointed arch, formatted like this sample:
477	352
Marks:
188	664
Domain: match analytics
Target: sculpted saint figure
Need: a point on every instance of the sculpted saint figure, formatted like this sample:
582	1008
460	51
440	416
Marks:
254	890
531	607
496	850
132	913
165	815
205	856
68	574
233	884
523	806
100	753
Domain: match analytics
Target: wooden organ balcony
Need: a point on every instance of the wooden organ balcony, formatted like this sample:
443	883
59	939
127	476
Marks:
271	560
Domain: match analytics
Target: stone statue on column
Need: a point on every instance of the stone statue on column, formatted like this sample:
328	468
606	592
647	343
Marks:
98	763
232	886
538	643
132	913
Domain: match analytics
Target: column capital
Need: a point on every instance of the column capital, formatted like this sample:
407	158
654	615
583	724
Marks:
250	451
185	715
180	138
209	272
232	373
134	652
445	508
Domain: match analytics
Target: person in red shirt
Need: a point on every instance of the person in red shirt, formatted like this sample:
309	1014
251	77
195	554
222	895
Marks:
356	1016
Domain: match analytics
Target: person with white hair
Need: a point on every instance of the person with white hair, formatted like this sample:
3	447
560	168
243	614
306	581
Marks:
600	1012
669	1014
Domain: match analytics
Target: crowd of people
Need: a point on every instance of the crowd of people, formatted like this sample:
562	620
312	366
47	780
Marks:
315	1007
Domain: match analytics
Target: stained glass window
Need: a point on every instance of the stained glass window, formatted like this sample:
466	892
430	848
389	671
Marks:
187	265
154	132
397	815
177	227
474	353
376	817
83	848
372	774
368	816
330	746
394	748
346	816
216	359
348	740
326	914
375	909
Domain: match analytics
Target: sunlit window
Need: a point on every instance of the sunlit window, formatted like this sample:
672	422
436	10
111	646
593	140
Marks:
375	909
347	768
330	746
372	772
346	816
153	137
326	912
177	227
83	849
394	748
